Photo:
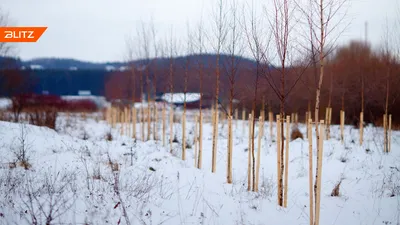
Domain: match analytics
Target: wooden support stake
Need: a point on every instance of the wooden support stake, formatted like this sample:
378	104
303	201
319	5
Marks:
243	120
361	127
107	115
230	143
155	129
184	136
326	119
384	134
307	123
249	155
330	116
171	127
236	118
278	154
286	162
163	124
127	123
142	123
121	114
215	142
319	175
260	135
195	141
310	171
390	134
329	123
342	118
326	114
199	163
148	120
134	122
113	117
271	120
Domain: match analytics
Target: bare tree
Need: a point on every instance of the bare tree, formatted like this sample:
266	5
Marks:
258	48
130	58
154	81
220	32
172	49
146	42
200	69
282	25
5	47
140	69
320	17
388	59
187	65
234	50
47	199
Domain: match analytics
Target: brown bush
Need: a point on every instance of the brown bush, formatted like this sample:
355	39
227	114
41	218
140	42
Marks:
43	117
109	136
296	134
336	191
25	164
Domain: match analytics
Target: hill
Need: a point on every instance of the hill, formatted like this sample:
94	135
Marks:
73	64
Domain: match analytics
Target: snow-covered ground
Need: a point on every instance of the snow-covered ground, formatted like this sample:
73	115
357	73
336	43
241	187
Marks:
5	103
72	180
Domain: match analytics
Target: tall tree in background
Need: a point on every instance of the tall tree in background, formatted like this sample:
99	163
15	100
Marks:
6	48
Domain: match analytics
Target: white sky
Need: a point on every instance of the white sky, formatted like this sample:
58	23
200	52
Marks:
96	30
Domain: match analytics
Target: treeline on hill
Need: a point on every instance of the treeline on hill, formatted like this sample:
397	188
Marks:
346	70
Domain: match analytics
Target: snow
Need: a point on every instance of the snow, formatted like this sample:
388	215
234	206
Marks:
5	103
157	187
84	92
36	67
180	97
124	68
110	68
100	101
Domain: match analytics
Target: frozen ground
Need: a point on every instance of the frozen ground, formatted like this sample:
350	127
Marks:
71	179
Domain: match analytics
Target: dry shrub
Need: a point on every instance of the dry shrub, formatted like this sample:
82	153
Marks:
12	165
296	134
43	117
2	115
25	164
336	191
109	136
114	166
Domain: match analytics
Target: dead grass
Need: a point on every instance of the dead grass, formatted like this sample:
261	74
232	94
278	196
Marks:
114	166
295	134
336	190
43	117
109	136
25	164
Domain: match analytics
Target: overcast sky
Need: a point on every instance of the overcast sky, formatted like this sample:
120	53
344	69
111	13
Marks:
96	30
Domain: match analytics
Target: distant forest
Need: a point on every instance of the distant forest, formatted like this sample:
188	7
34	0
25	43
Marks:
345	69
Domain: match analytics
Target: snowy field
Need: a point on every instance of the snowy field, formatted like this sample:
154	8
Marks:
71	180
